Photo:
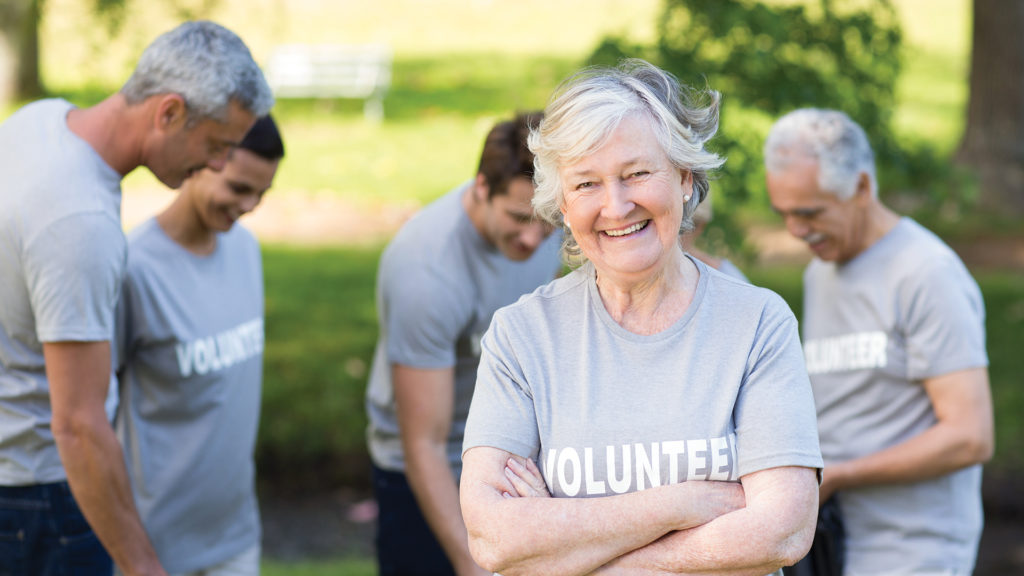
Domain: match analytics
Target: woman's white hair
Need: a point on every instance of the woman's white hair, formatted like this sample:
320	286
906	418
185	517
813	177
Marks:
208	65
587	108
829	136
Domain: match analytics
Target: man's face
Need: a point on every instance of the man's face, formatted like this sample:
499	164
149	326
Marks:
220	198
511	225
832	228
187	149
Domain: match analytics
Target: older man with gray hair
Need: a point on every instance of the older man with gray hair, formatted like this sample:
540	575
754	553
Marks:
64	492
894	340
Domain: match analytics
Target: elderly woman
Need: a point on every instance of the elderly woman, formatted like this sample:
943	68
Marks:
664	405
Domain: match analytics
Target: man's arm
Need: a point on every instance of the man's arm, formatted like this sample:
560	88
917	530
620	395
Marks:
424	403
79	379
963	436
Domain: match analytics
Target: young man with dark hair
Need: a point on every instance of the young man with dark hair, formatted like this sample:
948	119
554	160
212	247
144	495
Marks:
446	272
190	365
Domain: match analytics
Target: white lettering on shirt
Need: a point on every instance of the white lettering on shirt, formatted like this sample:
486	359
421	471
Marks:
859	351
220	351
630	467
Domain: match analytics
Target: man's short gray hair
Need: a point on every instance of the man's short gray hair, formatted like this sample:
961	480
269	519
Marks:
205	63
587	108
829	136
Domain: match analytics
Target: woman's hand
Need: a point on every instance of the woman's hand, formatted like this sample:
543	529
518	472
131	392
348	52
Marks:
526	480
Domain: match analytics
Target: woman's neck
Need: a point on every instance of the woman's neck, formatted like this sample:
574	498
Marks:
653	303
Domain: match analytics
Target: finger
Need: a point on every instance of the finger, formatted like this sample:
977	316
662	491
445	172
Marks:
531	474
523	488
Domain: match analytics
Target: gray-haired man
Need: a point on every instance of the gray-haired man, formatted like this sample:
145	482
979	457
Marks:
894	339
195	92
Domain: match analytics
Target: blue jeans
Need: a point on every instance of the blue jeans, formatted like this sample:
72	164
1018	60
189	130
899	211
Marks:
42	532
405	544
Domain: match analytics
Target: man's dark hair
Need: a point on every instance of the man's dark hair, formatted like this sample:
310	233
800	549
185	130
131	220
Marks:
264	140
506	155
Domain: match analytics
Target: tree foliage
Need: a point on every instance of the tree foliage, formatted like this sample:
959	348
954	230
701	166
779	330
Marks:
776	58
769	59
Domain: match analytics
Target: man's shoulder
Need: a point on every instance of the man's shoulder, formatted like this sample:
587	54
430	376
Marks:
552	298
920	253
31	112
434	236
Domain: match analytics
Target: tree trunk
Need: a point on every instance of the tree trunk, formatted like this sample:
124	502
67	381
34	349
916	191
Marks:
19	50
993	142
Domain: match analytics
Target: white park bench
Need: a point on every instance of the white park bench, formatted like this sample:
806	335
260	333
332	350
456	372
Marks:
361	71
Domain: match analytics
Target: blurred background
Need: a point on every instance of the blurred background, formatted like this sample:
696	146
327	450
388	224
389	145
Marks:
949	146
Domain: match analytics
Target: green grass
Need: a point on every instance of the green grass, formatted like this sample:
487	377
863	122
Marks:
321	329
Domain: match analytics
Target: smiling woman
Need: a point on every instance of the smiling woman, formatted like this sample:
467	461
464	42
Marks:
644	430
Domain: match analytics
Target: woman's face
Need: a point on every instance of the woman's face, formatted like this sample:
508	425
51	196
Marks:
624	203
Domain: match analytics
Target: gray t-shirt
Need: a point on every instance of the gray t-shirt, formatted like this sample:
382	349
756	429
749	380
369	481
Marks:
729	269
438	285
720	394
62	256
904	310
190	343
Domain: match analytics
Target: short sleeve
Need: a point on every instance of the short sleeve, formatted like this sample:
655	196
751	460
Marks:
74	269
776	424
501	414
425	316
944	320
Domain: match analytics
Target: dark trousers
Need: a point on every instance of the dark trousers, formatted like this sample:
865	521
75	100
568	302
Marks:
405	544
42	532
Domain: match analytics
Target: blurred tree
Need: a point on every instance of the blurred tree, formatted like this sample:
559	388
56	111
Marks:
19	50
993	141
777	58
19	39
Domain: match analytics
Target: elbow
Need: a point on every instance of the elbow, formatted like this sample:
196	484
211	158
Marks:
489	547
69	429
793	548
980	449
490	555
795	541
485	554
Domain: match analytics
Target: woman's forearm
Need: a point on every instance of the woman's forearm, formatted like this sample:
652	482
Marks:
515	535
774	530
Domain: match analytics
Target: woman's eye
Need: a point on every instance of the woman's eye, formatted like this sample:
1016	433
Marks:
584	185
639	174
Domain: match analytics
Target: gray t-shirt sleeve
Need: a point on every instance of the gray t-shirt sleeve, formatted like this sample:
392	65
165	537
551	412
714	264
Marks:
774	413
502	408
425	317
945	320
74	269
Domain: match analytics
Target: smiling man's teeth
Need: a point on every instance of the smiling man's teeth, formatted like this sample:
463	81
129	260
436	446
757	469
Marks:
624	231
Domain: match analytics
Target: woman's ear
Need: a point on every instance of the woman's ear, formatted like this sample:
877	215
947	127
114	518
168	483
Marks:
687	184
